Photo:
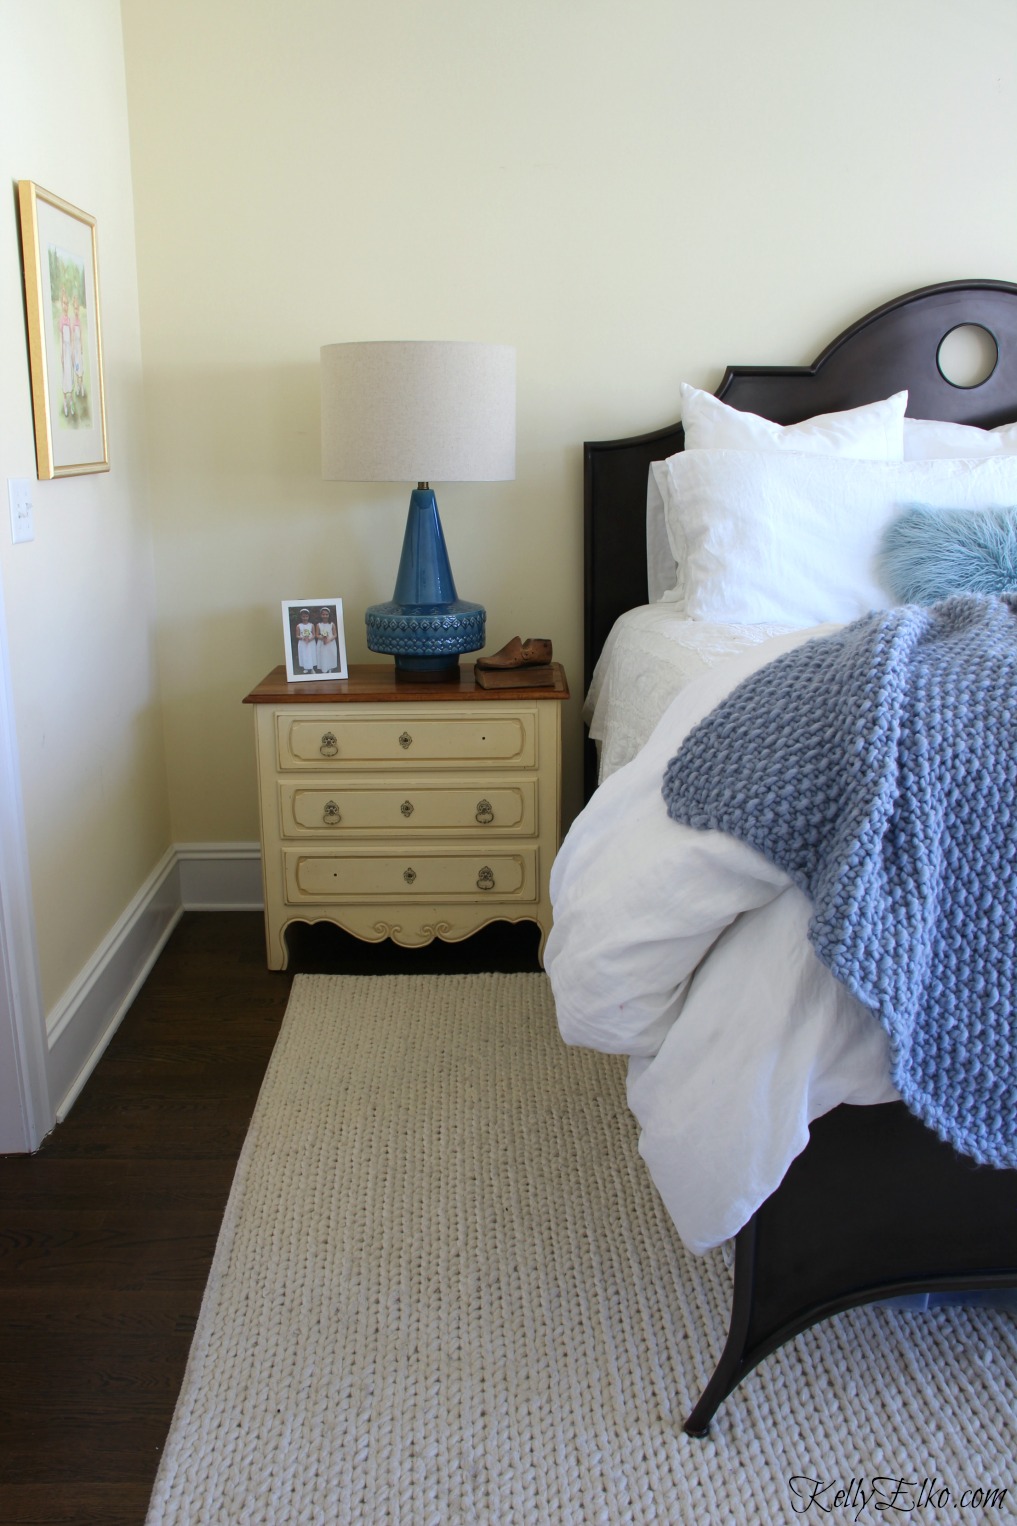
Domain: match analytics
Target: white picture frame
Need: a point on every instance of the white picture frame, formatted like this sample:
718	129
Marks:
314	628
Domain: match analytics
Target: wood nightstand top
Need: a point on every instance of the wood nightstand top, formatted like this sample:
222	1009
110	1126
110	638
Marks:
376	683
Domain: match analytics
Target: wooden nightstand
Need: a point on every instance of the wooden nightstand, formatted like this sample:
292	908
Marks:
406	810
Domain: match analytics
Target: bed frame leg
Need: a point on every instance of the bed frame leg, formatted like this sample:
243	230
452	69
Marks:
937	1223
732	1366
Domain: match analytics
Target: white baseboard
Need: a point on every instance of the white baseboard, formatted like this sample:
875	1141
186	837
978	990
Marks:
190	877
220	876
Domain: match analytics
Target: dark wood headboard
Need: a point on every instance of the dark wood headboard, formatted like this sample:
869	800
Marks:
896	346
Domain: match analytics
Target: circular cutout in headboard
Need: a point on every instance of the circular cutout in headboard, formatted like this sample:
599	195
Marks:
967	355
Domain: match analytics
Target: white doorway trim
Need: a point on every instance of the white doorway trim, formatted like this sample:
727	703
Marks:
25	1111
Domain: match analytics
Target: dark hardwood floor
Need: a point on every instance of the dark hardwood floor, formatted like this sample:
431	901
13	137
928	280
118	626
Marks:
107	1232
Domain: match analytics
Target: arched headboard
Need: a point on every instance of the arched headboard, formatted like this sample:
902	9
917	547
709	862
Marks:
893	348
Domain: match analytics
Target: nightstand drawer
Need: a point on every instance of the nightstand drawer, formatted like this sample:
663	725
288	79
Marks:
410	874
480	807
404	738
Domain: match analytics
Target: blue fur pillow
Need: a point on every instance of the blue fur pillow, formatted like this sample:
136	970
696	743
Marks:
927	554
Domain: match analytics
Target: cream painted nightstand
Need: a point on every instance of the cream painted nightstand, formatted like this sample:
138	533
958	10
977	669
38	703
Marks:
404	810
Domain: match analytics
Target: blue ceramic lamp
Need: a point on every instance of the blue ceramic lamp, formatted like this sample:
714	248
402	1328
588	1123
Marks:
420	411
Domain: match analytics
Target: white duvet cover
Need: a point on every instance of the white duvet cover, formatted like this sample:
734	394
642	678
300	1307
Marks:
650	654
688	952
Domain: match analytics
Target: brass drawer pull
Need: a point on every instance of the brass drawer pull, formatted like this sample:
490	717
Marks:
409	875
485	879
485	815
407	807
331	815
405	741
329	746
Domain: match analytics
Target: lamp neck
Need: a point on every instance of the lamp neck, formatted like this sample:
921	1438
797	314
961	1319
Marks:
425	576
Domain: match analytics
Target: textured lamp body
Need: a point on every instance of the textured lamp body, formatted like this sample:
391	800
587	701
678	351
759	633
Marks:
425	626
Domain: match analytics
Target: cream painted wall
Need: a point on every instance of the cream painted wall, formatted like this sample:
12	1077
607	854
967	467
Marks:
632	194
80	597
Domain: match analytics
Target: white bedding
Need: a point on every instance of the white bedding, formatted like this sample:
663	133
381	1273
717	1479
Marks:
651	653
687	951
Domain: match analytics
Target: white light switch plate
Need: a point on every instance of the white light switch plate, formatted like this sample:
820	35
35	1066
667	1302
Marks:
19	491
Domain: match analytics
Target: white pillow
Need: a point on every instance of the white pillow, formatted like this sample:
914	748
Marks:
929	439
791	538
875	431
662	575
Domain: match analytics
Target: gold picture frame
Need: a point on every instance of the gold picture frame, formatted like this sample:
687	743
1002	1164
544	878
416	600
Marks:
61	265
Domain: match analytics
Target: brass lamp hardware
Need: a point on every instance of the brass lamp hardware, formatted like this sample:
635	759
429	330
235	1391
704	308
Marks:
409	875
407	807
405	741
485	879
485	815
331	815
329	746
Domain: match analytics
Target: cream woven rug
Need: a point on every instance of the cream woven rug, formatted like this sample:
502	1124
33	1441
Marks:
445	1292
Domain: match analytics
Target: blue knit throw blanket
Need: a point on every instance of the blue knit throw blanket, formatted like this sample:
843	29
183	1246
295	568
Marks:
878	768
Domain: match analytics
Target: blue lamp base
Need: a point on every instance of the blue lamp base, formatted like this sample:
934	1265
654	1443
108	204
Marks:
425	626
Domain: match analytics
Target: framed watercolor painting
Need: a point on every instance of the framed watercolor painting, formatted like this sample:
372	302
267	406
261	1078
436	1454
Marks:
315	639
58	247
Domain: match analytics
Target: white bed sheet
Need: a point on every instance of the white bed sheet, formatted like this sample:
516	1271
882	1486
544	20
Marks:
687	951
650	654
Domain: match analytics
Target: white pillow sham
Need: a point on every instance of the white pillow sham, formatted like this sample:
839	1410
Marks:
931	439
874	431
791	538
663	576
